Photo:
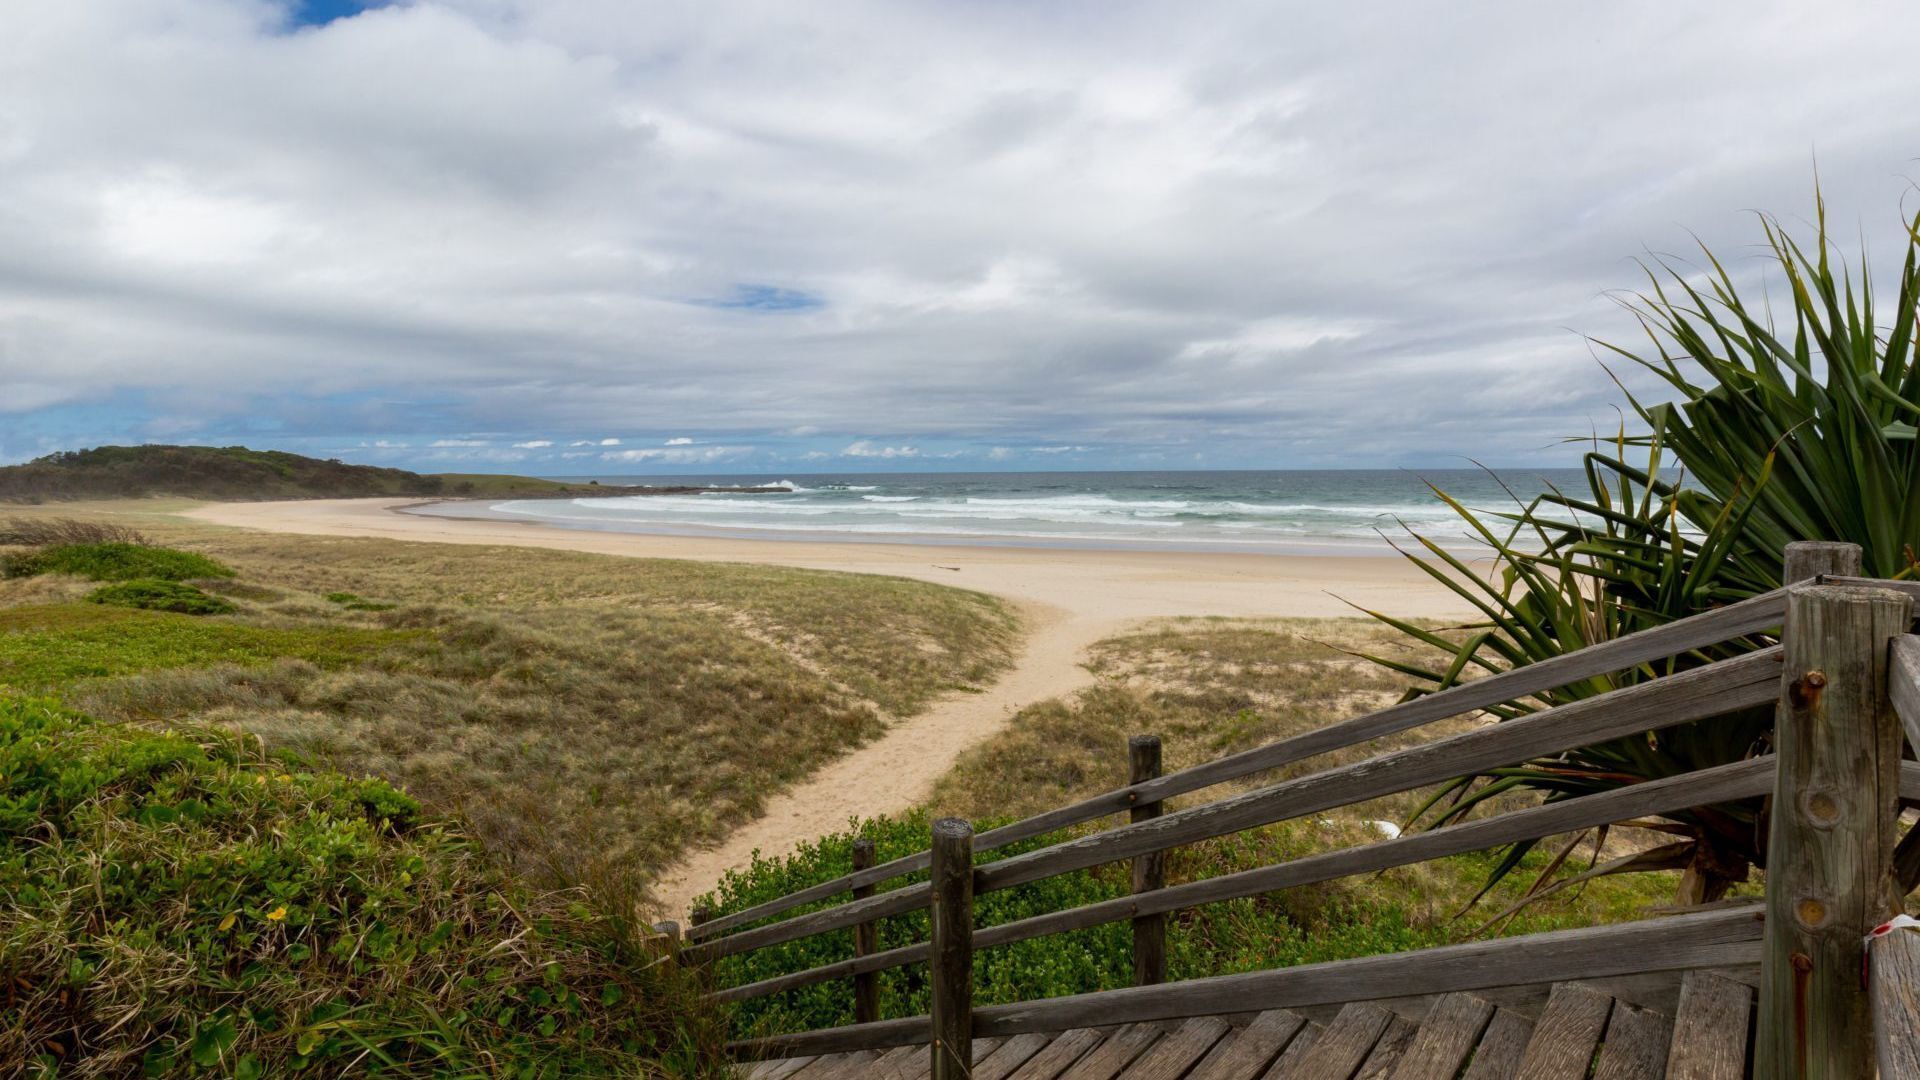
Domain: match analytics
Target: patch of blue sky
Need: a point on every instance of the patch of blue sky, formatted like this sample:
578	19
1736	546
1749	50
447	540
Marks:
747	296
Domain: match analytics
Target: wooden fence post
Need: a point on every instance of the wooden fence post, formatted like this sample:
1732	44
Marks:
1808	559
866	942
1149	870
1830	846
950	958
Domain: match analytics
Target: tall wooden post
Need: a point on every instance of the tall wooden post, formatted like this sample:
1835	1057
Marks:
951	953
1830	848
1149	870
866	942
695	918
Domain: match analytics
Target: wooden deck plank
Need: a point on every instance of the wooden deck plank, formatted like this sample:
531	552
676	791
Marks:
839	1066
1343	1045
896	1063
1177	1051
1501	1048
1389	1050
1289	1060
1447	1037
1246	1053
1710	1032
1011	1054
1118	1051
781	1068
1059	1054
1564	1040
919	1066
1636	1044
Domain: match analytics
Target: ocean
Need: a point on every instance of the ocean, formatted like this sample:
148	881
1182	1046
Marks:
1292	511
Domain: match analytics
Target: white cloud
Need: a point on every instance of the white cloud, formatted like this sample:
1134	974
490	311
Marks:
680	441
534	444
1291	237
609	442
866	448
704	455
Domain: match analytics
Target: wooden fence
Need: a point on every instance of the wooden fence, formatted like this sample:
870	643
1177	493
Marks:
1845	674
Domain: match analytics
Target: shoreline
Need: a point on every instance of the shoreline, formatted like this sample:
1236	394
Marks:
1101	583
1068	599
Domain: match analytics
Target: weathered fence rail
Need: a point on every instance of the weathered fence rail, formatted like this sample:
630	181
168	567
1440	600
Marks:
1846	680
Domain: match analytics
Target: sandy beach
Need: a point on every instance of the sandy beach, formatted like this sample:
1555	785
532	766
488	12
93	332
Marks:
1071	598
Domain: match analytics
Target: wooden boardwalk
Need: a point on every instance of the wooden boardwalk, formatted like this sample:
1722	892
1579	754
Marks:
1670	994
1577	1032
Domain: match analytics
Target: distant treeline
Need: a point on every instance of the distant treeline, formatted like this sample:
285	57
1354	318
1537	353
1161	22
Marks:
225	472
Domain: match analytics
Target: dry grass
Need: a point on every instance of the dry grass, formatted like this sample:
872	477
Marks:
591	715
1207	687
1211	687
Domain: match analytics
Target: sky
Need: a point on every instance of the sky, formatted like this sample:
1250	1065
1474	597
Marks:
576	237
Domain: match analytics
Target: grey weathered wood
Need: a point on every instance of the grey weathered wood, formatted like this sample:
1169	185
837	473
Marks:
1692	695
1447	1037
1710	1029
1566	1034
951	958
919	1067
1723	783
907	898
866	942
782	1068
839	1066
1721	937
1010	1055
1176	1052
1501	1048
1149	869
1903	686
1247	1052
1809	560
1288	1063
1119	1049
1636	1044
1059	1054
1894	988
1386	1055
1833	829
896	1063
1734	620
1343	1045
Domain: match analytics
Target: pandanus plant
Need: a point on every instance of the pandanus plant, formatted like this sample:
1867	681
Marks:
1775	434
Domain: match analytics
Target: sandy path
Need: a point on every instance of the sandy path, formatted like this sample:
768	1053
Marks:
898	770
1071	599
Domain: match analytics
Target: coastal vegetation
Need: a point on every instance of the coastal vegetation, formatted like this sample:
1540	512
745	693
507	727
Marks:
237	472
1781	430
1207	687
179	902
398	809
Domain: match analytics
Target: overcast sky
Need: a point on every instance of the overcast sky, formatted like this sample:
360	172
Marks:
600	236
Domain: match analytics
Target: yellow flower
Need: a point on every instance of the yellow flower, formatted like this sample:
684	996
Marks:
283	777
277	914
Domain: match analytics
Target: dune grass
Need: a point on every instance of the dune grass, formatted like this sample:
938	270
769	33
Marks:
591	715
177	903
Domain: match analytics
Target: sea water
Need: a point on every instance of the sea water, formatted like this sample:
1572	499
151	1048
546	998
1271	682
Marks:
1323	511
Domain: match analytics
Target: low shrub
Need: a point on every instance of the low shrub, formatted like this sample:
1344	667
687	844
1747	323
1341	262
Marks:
153	594
113	561
176	903
1095	959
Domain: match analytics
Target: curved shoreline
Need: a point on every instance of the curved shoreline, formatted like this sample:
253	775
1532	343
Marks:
1071	598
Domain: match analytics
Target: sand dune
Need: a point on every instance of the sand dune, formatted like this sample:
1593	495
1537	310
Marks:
1071	598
